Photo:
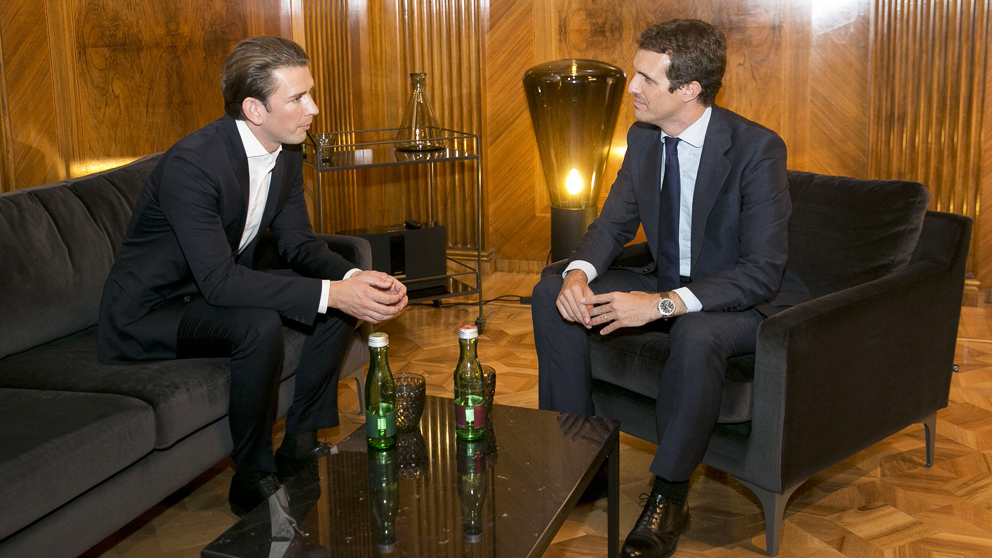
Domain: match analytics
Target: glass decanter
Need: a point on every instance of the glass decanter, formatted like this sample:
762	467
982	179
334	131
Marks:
419	130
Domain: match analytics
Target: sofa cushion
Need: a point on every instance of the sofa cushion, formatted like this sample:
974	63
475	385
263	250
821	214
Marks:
633	359
55	445
185	394
59	242
847	231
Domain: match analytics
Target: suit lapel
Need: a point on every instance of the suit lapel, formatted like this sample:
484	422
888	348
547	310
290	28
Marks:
652	181
239	159
713	171
239	163
276	186
272	201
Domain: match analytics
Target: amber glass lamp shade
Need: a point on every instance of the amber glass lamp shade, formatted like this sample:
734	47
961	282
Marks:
573	107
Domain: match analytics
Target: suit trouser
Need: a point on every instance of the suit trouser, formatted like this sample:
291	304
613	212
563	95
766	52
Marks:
253	338
691	383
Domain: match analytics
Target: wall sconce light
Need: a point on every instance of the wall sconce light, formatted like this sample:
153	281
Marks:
573	106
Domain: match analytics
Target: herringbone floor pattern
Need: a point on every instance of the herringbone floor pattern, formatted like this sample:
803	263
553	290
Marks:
880	503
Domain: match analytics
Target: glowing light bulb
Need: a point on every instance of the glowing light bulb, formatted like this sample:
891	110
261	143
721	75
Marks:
574	182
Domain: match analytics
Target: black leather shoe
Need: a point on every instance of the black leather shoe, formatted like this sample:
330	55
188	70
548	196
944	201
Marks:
249	489
656	533
291	467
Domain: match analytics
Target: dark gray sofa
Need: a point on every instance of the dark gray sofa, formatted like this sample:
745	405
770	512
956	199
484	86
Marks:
869	355
84	447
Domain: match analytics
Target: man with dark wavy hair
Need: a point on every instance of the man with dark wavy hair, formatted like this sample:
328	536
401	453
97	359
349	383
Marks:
183	284
710	190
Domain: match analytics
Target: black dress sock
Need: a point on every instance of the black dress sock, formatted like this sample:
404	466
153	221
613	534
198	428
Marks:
674	492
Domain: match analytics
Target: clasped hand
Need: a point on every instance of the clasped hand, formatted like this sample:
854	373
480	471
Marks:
372	296
577	303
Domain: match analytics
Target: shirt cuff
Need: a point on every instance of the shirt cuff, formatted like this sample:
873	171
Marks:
325	289
585	266
692	303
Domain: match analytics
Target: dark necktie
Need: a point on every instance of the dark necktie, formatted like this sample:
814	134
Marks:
668	219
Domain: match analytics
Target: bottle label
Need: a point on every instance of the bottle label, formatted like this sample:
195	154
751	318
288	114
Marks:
380	426
470	417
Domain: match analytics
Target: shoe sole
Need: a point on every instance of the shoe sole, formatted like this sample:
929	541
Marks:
685	527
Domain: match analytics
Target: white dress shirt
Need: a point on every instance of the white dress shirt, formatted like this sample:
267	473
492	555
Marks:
260	165
690	150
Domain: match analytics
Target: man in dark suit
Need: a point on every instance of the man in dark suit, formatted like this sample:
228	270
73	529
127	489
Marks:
710	190
183	286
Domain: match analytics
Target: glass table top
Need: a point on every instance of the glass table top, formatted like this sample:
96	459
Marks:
433	495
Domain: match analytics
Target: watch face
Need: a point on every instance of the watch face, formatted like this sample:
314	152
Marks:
666	307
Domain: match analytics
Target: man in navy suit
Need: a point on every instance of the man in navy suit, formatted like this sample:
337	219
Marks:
710	190
183	286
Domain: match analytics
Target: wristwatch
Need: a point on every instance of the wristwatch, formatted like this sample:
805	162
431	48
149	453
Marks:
666	307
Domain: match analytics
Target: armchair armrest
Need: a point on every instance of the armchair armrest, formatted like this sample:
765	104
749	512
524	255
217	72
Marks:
635	257
843	371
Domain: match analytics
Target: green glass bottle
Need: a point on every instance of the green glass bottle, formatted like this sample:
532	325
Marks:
470	408
384	496
380	395
470	458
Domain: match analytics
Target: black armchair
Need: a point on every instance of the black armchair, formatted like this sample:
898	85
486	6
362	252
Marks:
871	354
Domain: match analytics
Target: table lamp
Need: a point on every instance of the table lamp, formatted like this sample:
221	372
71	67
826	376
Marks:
573	107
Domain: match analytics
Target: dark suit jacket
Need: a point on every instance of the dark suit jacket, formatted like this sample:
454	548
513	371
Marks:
740	215
183	238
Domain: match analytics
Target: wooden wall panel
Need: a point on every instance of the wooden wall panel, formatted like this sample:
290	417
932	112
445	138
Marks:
838	89
814	72
516	227
146	74
6	140
873	88
94	83
982	232
928	101
367	51
800	67
33	155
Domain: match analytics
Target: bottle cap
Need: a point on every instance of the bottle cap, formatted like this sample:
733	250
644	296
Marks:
379	339
468	332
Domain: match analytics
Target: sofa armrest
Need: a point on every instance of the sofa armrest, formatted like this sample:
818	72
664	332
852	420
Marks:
355	249
634	257
843	371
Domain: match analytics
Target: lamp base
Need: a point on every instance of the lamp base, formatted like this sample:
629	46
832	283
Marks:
568	226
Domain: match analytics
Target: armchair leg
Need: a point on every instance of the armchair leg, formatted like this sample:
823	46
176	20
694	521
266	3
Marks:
773	504
930	428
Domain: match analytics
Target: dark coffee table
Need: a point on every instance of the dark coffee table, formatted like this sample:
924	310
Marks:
435	496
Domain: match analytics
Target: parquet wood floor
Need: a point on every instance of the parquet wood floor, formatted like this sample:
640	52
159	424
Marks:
880	503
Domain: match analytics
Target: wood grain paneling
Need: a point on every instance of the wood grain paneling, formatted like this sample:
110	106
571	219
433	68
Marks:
6	143
872	88
837	85
363	54
513	172
34	155
93	83
983	226
829	82
928	99
147	74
